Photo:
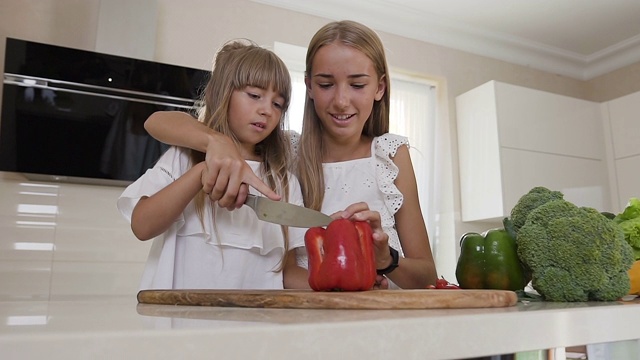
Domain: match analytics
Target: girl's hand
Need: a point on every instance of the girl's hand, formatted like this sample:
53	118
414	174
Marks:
227	175
382	283
360	212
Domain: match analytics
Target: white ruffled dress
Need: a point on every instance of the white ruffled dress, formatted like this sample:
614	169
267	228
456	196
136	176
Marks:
370	180
239	252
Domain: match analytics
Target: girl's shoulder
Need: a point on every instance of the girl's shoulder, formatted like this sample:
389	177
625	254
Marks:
293	135
387	144
294	139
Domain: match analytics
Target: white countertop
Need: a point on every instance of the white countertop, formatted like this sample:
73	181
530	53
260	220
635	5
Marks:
119	328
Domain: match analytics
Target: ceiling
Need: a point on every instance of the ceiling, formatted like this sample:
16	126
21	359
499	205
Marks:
575	38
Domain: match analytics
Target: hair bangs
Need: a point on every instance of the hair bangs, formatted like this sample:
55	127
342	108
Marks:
263	69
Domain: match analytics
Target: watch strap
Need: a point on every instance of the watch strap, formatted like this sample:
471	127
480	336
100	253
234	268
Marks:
395	257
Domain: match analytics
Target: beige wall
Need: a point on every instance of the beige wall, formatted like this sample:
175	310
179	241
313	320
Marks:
615	84
188	33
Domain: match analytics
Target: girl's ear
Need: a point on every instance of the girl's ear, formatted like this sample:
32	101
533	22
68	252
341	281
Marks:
307	83
382	87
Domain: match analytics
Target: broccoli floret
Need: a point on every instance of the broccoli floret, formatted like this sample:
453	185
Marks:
530	201
574	253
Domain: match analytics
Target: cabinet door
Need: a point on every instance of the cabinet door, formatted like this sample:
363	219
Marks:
623	115
479	154
579	179
511	139
549	123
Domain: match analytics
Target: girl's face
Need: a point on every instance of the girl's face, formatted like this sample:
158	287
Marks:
253	114
343	85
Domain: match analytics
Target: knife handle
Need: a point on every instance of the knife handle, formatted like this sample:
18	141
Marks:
251	201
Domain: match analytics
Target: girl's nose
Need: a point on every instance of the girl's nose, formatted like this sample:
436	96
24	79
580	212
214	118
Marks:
265	109
341	98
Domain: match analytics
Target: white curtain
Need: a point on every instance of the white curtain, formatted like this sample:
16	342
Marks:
296	108
413	115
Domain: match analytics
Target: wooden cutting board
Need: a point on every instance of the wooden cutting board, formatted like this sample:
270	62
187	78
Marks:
308	299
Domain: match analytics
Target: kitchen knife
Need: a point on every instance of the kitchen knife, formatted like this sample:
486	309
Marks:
283	213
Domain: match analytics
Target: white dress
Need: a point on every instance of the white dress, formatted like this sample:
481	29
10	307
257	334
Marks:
370	180
238	252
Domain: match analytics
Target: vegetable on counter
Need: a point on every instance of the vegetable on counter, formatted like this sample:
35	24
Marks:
629	221
341	257
574	253
535	197
490	261
634	278
443	283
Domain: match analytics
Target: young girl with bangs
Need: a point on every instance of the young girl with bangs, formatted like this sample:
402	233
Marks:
347	162
198	244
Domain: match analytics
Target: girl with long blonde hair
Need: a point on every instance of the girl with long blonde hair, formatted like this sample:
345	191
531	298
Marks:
198	243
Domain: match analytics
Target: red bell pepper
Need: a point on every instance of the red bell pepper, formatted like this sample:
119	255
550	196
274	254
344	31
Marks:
341	257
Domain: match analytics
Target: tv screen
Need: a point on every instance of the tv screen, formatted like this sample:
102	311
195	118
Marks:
78	116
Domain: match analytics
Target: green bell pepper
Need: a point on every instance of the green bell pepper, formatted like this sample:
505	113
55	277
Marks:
490	261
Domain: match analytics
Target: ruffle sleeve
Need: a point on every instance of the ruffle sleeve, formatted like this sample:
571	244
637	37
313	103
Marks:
169	167
294	139
386	147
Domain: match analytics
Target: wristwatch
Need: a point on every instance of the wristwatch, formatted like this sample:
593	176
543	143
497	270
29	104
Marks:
394	262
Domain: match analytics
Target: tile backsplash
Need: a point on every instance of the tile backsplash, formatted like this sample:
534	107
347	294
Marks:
60	240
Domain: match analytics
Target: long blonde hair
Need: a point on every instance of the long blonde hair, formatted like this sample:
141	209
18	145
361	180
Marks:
238	64
311	148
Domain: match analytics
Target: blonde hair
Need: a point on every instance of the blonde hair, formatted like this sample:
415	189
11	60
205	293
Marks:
238	64
365	40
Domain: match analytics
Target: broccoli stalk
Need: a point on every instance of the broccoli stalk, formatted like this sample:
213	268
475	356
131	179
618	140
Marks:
574	253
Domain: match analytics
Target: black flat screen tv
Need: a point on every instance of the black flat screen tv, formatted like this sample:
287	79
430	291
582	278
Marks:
77	116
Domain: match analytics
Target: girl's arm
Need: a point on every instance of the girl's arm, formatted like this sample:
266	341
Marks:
179	129
416	269
294	276
154	214
227	171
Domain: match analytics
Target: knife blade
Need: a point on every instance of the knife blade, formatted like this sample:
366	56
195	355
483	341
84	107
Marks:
283	213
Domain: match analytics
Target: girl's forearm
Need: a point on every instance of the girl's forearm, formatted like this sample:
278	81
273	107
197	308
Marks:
153	215
294	276
414	273
180	129
417	269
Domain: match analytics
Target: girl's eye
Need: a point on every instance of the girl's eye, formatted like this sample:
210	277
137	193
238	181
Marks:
358	86
324	85
253	96
277	105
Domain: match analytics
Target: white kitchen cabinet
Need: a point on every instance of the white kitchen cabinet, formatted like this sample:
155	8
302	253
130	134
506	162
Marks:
511	139
622	130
